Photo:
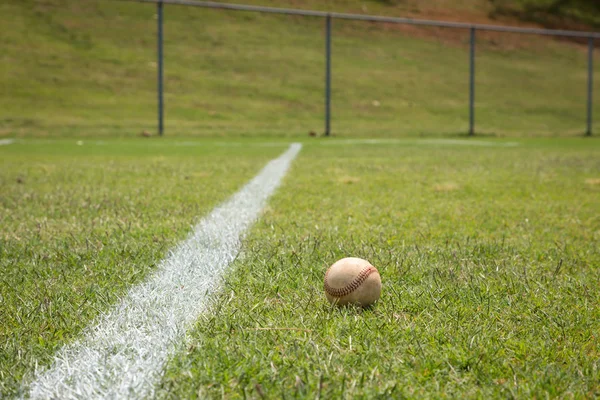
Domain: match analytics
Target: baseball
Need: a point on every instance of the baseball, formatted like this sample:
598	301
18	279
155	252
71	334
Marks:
352	281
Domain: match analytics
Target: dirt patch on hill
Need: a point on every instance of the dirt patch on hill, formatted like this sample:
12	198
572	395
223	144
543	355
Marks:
491	12
489	16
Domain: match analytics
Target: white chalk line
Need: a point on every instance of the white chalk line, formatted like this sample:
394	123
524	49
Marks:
123	354
441	142
158	143
6	142
469	142
318	142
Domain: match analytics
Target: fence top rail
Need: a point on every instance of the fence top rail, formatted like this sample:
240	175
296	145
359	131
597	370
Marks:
376	18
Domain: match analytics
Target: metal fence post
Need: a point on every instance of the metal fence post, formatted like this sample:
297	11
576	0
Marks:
590	85
327	75
160	69
472	84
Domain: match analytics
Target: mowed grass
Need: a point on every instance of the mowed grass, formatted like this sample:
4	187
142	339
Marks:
72	68
82	223
489	257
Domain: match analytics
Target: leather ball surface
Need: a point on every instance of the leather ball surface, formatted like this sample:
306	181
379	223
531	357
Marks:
352	280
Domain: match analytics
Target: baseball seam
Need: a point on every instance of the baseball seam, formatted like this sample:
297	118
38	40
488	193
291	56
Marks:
352	286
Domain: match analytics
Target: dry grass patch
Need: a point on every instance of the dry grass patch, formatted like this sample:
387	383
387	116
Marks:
348	180
593	181
445	187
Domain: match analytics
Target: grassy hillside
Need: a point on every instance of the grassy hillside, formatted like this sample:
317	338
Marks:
89	69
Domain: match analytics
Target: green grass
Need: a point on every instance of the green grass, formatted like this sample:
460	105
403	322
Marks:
489	261
81	224
89	69
488	253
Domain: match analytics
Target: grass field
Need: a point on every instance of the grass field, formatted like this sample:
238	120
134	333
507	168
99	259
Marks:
487	249
89	68
81	224
489	259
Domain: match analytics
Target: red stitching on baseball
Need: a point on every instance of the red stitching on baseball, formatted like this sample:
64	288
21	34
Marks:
352	286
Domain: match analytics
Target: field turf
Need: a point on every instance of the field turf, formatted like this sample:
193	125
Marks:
489	258
82	223
487	250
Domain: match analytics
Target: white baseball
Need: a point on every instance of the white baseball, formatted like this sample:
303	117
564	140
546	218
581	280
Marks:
352	281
